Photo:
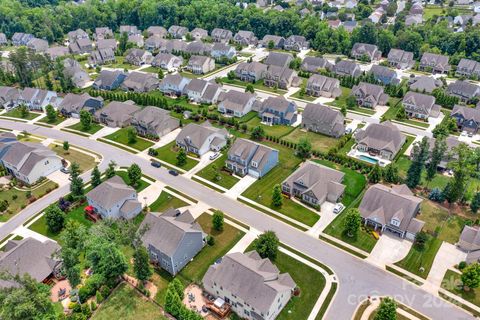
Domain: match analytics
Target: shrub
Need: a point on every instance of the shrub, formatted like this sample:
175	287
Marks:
210	240
462	265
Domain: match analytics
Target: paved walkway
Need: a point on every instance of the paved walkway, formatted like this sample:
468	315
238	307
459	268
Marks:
246	240
105	131
59	177
447	256
151	193
197	209
204	161
43	115
240	186
388	250
326	217
27	233
433	122
68	122
166	139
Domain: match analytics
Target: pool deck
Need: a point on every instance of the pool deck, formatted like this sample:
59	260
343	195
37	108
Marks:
366	157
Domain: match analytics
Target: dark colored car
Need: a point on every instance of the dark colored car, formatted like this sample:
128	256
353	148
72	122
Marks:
156	164
173	172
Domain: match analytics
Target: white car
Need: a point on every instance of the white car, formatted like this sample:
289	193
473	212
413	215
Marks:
338	208
215	156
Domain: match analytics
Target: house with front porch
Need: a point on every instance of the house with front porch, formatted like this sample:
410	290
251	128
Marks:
154	122
468	119
251	71
201	138
463	90
400	59
236	103
248	157
383	140
324	120
434	63
369	95
420	106
322	86
392	209
278	111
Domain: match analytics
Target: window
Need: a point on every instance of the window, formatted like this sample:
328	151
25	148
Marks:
395	222
254	164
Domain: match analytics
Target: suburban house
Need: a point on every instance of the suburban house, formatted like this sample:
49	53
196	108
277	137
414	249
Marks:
464	90
200	64
38	45
361	51
113	199
174	46
435	63
347	68
278	59
468	119
245	38
236	103
211	94
221	35
21	39
198	48
80	46
117	114
384	75
154	122
37	99
380	139
28	162
57	52
324	120
103	33
469	242
424	84
109	80
369	95
278	110
73	70
129	30
413	19
177	32
138	57
101	56
140	82
420	106
400	59
319	85
154	42
40	260
251	71
296	43
167	61
72	104
276	40
172	239
199	34
9	97
450	142
136	40
281	77
106	43
173	84
248	157
252	286
157	31
314	64
221	49
468	68
76	35
314	184
200	138
195	89
392	209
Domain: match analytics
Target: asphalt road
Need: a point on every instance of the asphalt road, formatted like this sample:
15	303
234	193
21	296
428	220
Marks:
357	278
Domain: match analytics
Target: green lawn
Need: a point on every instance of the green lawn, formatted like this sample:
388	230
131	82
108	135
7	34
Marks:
168	153
226	180
417	259
85	161
257	85
93	128
166	201
152	69
304	97
127	303
18	199
347	147
261	190
276	130
342	101
121	64
452	282
391	114
438	220
319	141
58	120
15	113
141	185
121	136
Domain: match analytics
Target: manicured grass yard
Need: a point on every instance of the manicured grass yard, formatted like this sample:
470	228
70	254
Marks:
93	128
226	179
304	97
438	220
452	282
261	190
85	161
342	101
391	114
417	259
121	136
257	85
166	201
120	63
318	141
127	303
142	184
168	153
54	123
15	113
276	130
15	205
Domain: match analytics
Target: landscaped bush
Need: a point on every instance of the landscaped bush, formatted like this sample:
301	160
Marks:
90	287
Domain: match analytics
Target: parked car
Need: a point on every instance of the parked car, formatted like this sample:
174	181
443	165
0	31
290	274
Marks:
155	164
338	208
173	172
65	170
215	156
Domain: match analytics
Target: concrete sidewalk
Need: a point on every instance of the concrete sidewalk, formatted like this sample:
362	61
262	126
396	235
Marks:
246	240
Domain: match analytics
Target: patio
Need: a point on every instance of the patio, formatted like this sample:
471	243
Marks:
368	157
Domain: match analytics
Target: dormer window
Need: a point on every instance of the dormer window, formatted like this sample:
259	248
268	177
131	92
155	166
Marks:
395	222
254	164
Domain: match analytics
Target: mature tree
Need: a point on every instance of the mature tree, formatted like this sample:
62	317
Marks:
304	148
343	110
390	174
351	102
420	240
141	266
85	120
267	245
160	74
51	114
231	75
471	276
66	146
110	172
277	198
181	157
173	303
352	222
249	88
27	300
375	174
387	310
438	153
76	183
134	174
271	44
217	220
122	45
20	60
131	135
106	258
419	155
73	275
55	218
257	133
475	204
73	236
462	169
96	177
24	111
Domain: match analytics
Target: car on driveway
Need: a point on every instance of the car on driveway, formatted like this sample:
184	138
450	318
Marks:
215	156
173	172
65	170
338	208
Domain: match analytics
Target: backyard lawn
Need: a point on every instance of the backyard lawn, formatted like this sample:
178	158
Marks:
420	262
120	63
261	190
15	113
78	127
319	141
166	201
452	282
257	85
168	153
121	136
276	130
225	180
85	161
437	220
127	303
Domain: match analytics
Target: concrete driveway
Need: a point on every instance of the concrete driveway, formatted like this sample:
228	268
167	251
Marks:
240	186
326	217
389	249
447	256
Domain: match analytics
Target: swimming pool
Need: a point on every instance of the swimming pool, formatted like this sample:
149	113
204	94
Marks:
368	159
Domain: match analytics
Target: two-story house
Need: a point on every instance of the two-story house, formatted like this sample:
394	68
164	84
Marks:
278	110
173	84
367	51
369	95
221	35
200	64
400	59
468	68
468	119
324	120
280	77
236	103
117	114
248	157
201	138
109	80
167	61
154	122
296	43
384	75
251	71
322	86
380	139
434	63
464	90
420	106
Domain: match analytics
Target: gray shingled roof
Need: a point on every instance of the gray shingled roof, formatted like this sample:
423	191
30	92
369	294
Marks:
278	59
236	100
198	133
110	192
381	136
